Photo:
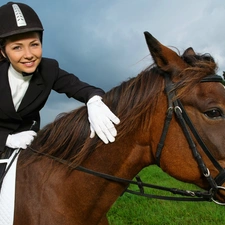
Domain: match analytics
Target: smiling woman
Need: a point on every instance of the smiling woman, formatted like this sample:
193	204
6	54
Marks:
32	77
27	79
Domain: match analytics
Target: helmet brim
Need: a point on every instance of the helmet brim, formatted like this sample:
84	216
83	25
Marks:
26	30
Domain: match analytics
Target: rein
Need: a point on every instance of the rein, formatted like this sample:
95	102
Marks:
201	196
185	123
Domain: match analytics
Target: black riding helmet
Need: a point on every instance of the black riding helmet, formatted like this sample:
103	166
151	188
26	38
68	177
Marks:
17	18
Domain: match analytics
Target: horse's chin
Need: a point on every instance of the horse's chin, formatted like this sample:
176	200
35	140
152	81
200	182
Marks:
220	195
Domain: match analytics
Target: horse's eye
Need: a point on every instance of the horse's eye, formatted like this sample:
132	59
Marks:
214	113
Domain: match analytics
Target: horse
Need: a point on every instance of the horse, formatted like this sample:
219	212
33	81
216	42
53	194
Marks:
50	187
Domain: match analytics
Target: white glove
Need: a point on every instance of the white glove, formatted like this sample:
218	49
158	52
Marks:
20	140
101	120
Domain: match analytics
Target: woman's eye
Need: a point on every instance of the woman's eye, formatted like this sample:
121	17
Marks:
214	113
16	47
35	44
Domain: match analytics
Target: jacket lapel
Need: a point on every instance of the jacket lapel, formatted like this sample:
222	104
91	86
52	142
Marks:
35	88
6	103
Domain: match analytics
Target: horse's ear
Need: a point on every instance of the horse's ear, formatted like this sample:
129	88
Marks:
189	51
164	57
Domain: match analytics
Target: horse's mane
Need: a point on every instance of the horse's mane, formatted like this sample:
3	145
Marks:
68	136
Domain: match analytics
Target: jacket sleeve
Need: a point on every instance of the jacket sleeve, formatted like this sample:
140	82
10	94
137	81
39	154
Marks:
71	85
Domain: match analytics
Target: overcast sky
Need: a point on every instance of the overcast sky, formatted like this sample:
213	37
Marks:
102	41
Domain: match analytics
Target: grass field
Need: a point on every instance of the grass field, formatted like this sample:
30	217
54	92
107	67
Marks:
136	210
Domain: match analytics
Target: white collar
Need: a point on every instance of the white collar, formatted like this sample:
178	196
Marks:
18	75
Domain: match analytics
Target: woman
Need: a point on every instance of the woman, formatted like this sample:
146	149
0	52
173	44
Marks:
26	80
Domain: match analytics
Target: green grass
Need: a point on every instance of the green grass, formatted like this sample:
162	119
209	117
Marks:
136	210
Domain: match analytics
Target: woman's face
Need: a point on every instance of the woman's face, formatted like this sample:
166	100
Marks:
24	51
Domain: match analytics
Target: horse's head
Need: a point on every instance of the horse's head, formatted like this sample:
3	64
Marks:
196	96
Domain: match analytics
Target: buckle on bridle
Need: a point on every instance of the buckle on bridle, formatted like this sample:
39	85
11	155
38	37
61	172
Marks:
213	194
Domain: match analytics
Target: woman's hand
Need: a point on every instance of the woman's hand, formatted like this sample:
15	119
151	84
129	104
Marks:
20	140
101	120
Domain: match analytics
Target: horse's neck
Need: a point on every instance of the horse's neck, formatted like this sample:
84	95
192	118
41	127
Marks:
123	161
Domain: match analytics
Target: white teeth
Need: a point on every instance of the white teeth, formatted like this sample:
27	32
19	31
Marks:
28	63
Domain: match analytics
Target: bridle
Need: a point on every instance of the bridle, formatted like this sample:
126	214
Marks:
174	106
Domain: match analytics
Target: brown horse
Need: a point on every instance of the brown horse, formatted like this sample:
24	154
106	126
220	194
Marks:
50	190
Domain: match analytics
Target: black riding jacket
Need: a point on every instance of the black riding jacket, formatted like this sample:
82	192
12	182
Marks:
47	77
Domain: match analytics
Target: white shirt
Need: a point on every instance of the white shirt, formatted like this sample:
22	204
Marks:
18	85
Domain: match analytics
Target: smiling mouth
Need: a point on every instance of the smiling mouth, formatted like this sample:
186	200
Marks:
31	63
